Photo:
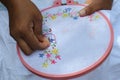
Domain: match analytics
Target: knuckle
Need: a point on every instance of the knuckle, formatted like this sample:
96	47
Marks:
35	47
89	10
18	29
21	29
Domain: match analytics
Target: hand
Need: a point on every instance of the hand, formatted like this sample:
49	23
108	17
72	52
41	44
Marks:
25	22
95	5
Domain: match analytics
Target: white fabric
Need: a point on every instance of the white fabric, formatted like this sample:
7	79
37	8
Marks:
12	69
77	46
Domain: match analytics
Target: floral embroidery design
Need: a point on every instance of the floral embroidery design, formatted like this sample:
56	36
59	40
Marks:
50	55
69	12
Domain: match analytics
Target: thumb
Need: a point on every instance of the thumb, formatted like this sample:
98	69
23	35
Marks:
90	9
44	42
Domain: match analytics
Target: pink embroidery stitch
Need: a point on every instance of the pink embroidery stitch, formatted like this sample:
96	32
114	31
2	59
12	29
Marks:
52	53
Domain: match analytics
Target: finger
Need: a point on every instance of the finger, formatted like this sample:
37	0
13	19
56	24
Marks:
88	1
24	47
38	24
31	40
44	42
91	8
38	32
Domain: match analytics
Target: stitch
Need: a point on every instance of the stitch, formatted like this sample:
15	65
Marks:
45	65
55	51
41	55
53	17
52	52
48	55
66	10
97	17
58	57
53	62
65	15
59	14
51	40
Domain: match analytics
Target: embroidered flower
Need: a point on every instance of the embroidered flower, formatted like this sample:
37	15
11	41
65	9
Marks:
45	65
55	51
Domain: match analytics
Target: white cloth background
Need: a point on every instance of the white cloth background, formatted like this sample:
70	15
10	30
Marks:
12	69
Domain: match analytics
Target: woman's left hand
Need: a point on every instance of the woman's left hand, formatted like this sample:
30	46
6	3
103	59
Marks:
95	5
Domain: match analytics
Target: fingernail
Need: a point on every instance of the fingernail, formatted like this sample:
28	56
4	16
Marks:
82	13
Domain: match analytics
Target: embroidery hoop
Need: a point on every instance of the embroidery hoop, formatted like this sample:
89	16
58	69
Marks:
57	3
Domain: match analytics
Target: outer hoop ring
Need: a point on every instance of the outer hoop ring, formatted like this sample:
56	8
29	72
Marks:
79	73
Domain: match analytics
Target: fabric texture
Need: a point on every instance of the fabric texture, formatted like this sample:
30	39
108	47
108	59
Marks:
12	69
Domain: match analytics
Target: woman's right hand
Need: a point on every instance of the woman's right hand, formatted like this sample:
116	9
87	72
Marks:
25	21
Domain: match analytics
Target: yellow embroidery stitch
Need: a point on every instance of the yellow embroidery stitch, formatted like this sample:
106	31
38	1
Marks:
53	17
97	16
45	65
65	15
55	51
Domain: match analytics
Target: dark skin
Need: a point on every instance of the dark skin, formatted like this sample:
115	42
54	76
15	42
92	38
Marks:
25	21
26	25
